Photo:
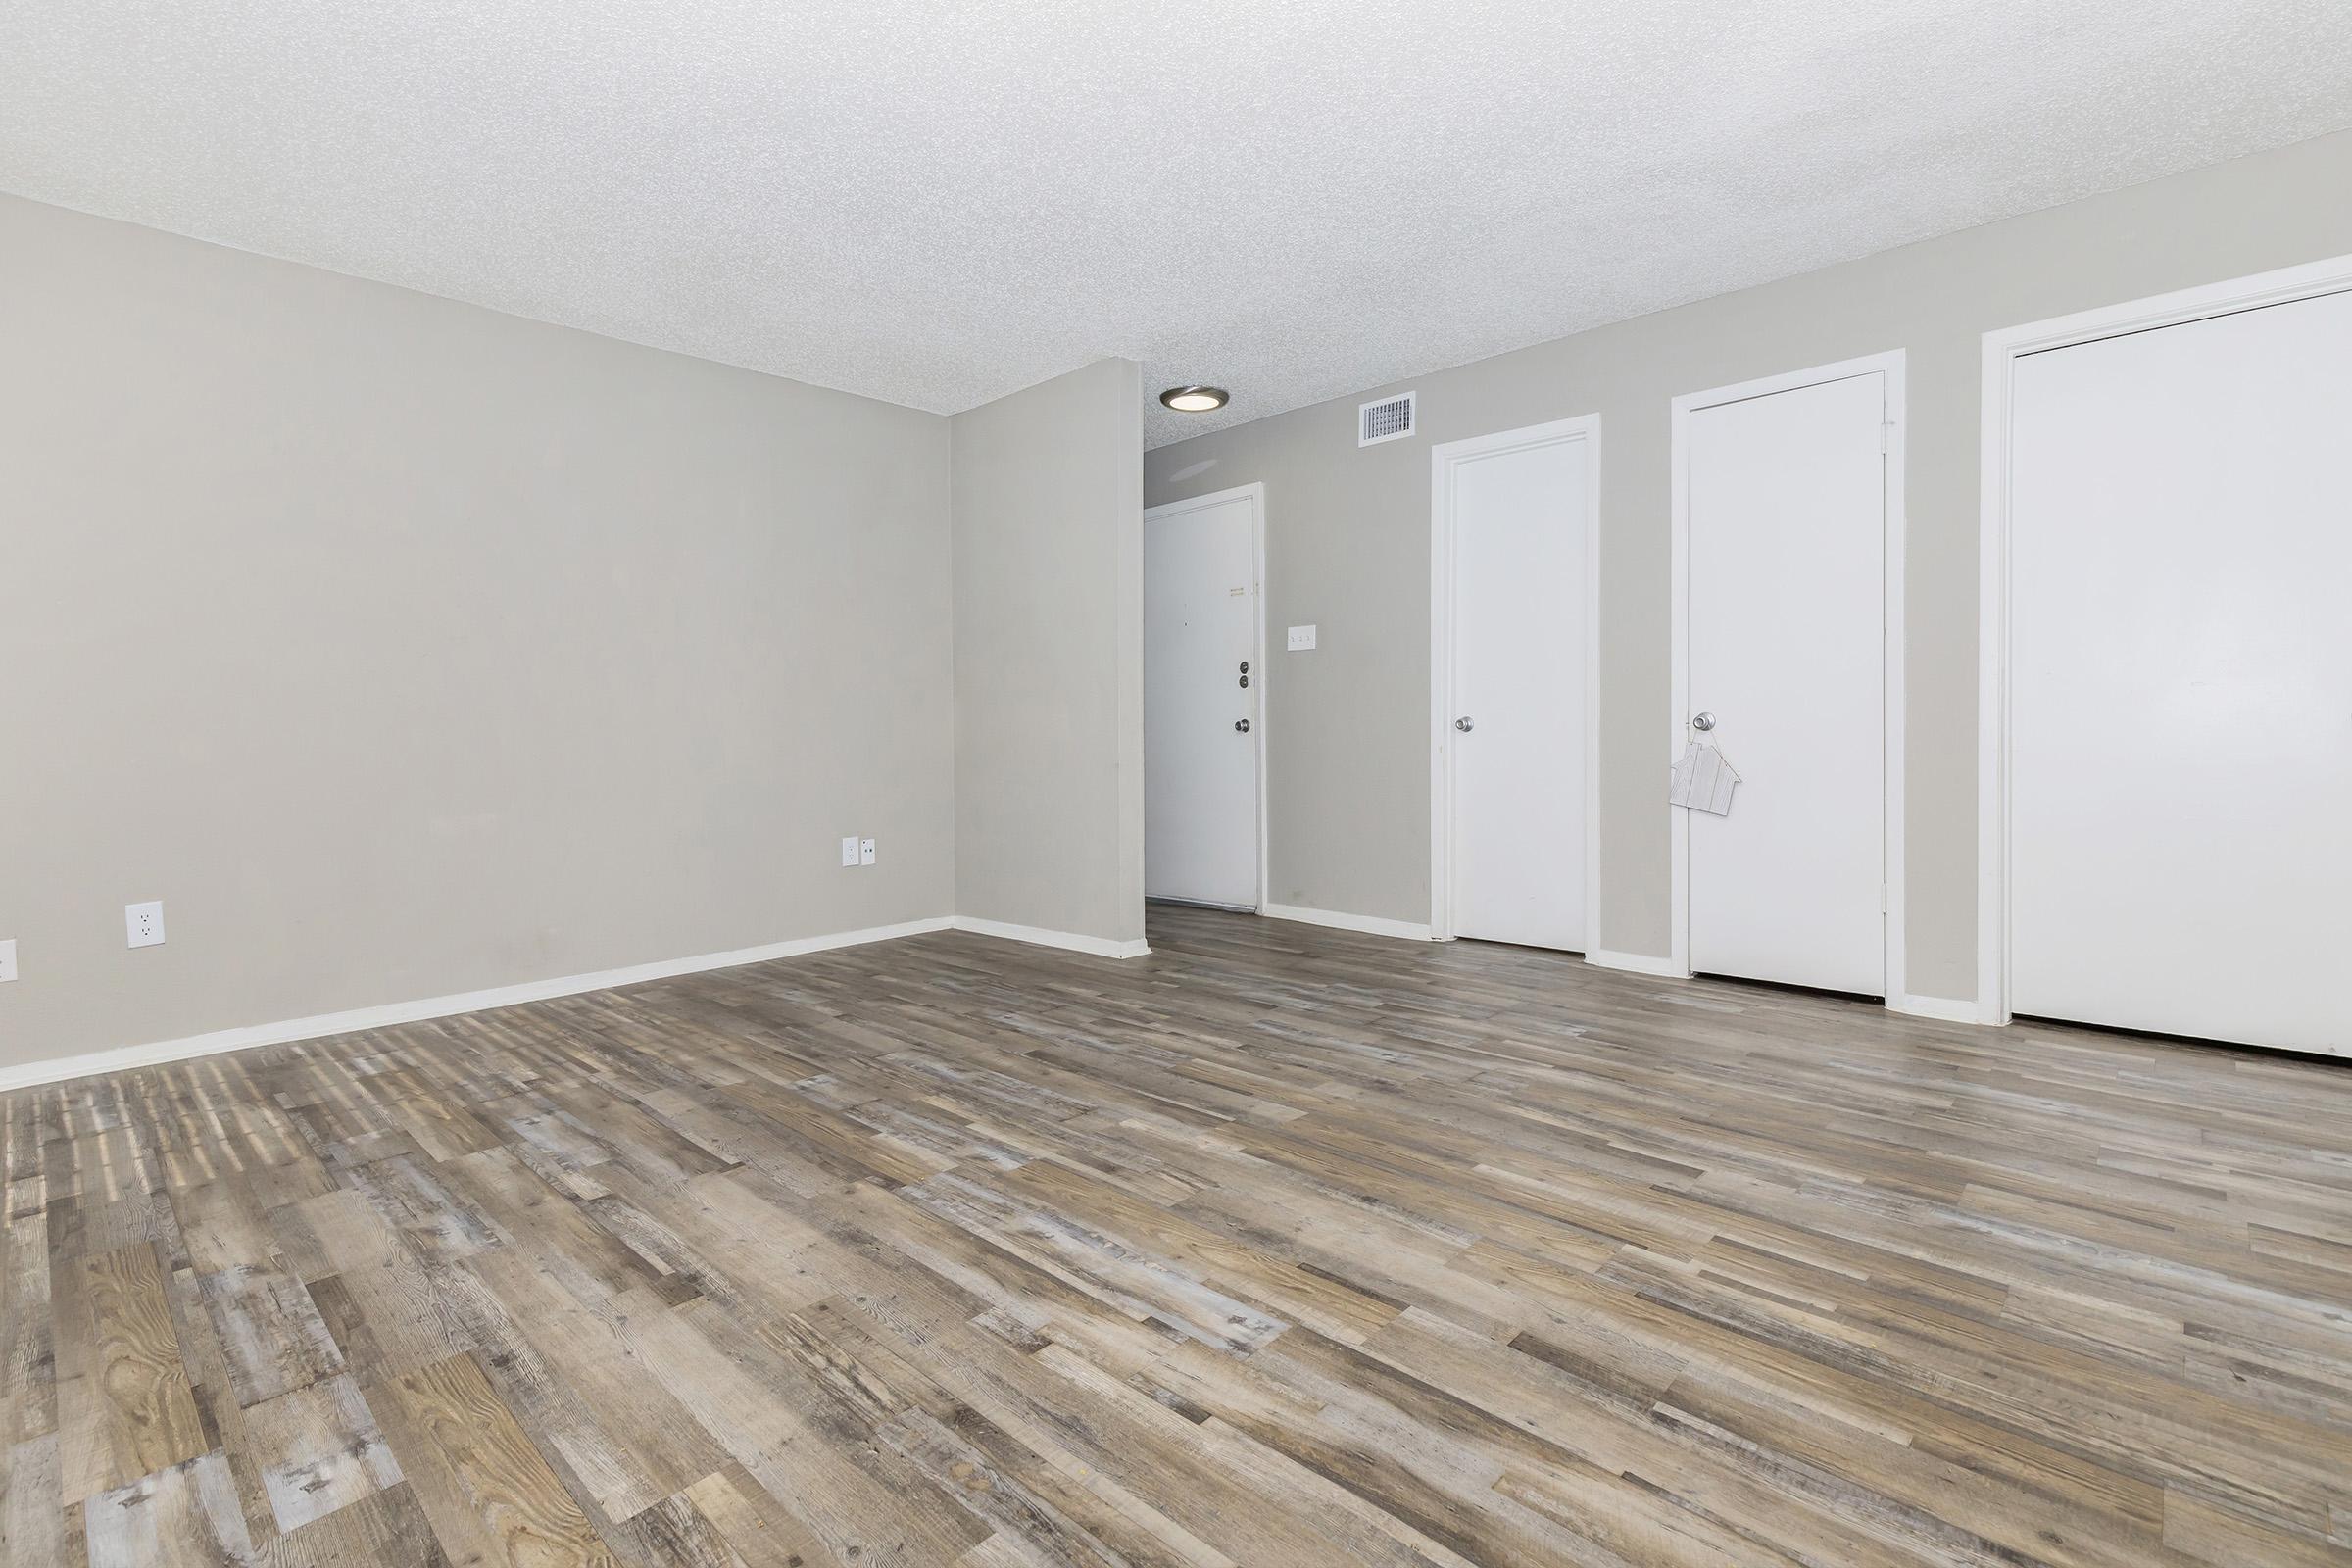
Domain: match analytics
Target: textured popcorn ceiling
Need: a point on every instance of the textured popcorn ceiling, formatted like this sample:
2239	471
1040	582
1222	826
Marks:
937	202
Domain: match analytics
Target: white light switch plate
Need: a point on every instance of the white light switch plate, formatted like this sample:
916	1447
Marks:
865	851
1302	638
144	925
849	852
8	961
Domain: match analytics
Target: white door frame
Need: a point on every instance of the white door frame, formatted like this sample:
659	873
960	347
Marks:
1255	495
2002	350
1444	462
1891	363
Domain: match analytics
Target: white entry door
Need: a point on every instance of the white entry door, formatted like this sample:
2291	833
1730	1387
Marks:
1786	555
1518	505
1202	678
2181	678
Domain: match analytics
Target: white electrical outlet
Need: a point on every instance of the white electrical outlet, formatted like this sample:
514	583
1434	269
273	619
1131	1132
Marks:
865	851
1302	638
8	961
145	924
849	852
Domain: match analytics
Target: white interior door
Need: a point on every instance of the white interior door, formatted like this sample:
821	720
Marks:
2181	678
1785	499
1517	746
1201	682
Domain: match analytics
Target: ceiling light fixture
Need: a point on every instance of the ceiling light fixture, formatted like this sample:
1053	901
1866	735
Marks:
1194	399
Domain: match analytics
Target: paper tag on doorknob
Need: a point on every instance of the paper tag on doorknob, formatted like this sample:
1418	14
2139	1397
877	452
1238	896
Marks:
1702	781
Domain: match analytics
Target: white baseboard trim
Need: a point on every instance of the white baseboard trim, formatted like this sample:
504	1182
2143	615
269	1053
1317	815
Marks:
1636	964
1069	941
1369	924
1945	1008
123	1058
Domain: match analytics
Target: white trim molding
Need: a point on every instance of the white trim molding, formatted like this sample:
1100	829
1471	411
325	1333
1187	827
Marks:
323	1025
1260	673
1892	365
1949	1009
1368	925
1637	963
1039	935
2002	350
1445	462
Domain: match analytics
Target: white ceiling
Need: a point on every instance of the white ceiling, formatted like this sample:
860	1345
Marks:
937	202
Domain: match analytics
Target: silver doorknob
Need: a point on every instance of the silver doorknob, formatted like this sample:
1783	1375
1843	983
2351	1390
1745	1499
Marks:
1462	724
1704	722
1242	724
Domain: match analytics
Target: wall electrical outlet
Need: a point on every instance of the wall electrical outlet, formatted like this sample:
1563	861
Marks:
8	961
1302	638
144	924
849	852
865	851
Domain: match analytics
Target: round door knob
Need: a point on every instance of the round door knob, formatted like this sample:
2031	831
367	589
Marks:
1704	722
1242	724
1462	724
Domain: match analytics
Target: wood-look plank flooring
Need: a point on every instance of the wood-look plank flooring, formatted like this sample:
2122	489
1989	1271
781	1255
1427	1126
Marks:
1279	1247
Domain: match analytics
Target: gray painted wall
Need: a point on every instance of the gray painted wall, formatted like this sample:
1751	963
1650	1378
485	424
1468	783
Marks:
404	648
1348	541
1049	530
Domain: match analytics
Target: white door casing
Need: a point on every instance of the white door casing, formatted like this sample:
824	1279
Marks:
1514	652
2179	695
1203	726
1786	594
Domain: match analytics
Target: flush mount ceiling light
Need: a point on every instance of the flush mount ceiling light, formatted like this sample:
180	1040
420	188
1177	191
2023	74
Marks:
1194	399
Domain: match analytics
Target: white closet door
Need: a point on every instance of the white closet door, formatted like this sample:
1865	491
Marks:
2181	679
1199	715
1786	508
1518	746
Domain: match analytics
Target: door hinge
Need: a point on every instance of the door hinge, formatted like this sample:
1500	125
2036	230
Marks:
1882	898
1886	437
